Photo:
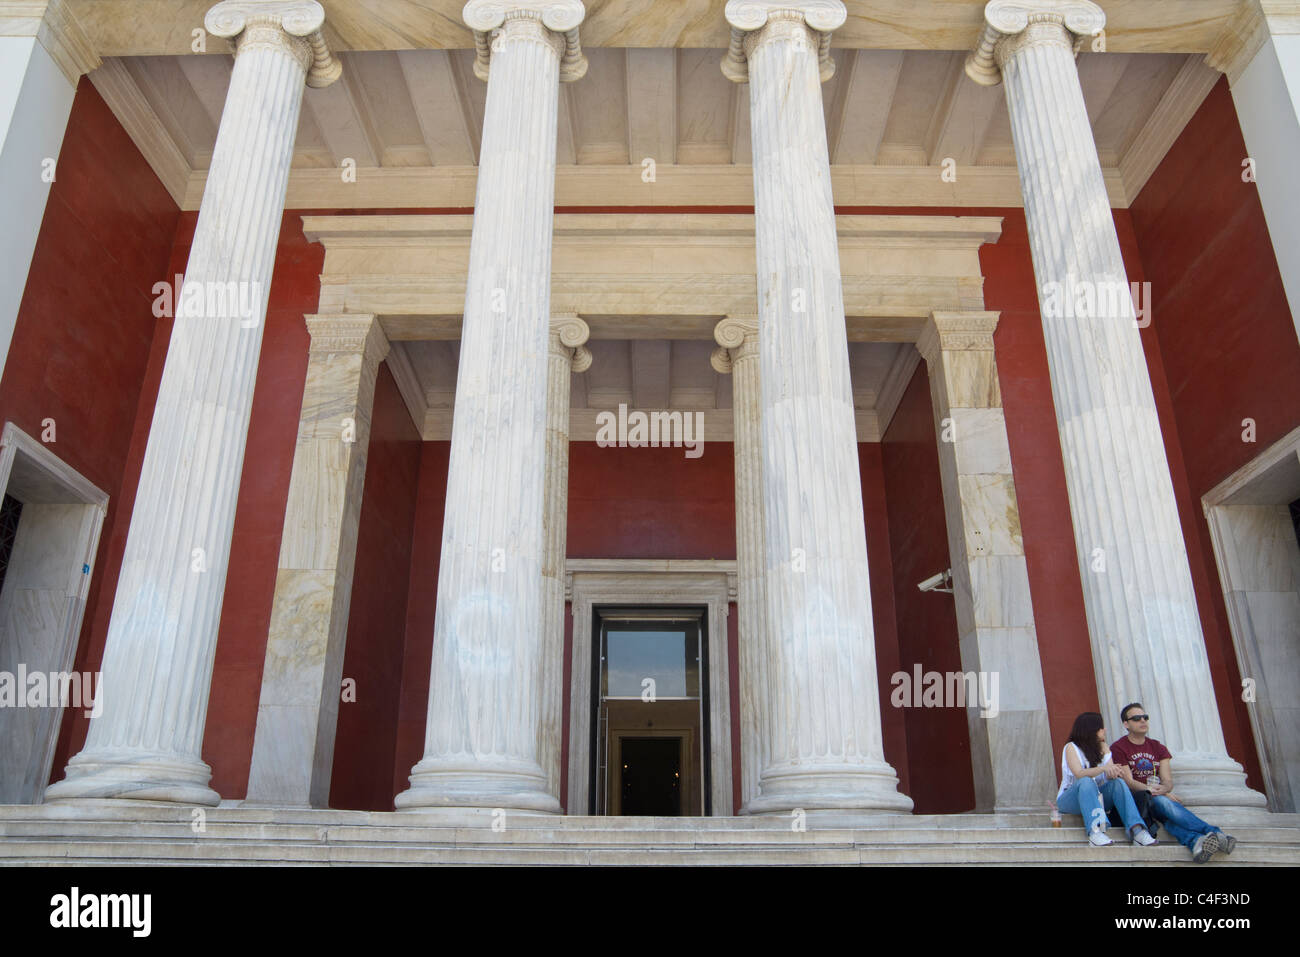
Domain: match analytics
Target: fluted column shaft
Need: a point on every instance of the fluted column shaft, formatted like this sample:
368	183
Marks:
737	355
567	354
1143	622
486	710
162	636
822	743
297	711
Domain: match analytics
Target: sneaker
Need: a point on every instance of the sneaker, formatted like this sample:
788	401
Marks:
1098	838
1205	847
1227	843
1143	837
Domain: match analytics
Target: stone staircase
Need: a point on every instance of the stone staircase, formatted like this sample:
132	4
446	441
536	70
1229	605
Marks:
130	833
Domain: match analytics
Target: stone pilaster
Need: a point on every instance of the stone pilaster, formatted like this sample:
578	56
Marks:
737	356
567	354
822	744
162	637
1011	744
486	695
297	714
1143	622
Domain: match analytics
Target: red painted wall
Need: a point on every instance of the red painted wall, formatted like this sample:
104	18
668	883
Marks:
938	741
422	594
259	516
364	749
651	502
880	564
1228	344
81	344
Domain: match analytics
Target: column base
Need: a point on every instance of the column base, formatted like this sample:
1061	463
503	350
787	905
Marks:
512	785
136	776
844	787
1213	781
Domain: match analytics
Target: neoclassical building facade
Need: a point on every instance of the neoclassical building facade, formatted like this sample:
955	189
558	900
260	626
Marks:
744	409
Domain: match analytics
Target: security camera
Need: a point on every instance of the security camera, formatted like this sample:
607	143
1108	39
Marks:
936	582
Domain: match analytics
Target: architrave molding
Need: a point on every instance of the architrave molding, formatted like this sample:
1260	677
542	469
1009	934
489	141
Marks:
53	24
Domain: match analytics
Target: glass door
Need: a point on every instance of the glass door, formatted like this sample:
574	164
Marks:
650	748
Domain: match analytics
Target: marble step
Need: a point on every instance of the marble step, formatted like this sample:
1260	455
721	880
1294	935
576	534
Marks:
288	833
38	852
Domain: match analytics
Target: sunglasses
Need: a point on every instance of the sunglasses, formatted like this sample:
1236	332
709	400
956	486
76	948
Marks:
1138	717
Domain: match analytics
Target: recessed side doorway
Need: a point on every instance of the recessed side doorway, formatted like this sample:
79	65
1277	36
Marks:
650	713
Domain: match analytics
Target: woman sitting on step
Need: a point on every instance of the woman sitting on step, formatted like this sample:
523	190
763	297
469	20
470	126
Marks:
1091	784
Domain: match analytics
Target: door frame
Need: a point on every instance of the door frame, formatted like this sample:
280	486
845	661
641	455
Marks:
1234	509
650	583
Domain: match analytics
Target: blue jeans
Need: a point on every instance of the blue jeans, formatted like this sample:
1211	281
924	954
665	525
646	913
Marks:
1091	800
1182	825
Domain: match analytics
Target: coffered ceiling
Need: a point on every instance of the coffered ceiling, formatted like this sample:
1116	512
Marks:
411	122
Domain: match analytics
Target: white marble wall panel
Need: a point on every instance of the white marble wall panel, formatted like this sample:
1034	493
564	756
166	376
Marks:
999	642
297	712
40	605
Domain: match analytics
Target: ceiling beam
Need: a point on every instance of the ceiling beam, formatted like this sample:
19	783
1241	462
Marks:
1175	110
566	140
1099	74
962	119
651	367
118	88
742	143
444	123
869	96
652	106
344	120
691	185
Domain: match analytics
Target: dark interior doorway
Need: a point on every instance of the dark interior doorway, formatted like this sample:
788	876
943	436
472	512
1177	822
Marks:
652	776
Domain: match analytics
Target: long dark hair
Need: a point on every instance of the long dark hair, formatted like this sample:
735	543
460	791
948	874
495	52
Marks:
1084	736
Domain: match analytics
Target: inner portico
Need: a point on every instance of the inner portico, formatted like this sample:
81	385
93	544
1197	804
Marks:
655	340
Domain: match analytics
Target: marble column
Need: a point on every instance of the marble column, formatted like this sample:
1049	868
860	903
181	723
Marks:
297	714
1143	620
1011	745
486	695
567	354
822	743
157	667
737	356
43	53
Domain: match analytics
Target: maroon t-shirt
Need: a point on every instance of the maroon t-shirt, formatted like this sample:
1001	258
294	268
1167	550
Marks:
1143	759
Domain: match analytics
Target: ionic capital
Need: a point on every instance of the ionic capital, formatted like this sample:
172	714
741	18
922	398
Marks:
956	332
293	25
737	338
354	334
1012	25
556	20
755	21
569	334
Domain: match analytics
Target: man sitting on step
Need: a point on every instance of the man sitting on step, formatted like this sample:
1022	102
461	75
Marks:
1145	764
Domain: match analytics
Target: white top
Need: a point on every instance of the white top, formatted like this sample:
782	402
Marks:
1067	776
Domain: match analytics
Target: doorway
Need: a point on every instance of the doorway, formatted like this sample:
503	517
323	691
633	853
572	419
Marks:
650	713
